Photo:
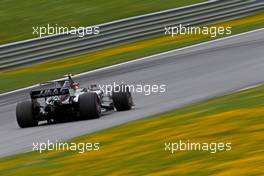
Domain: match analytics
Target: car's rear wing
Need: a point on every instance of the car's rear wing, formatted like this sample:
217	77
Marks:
49	93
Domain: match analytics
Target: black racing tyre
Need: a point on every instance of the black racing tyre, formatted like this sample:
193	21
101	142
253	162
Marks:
25	114
89	106
122	98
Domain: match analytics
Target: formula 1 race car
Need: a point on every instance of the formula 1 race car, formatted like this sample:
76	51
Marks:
67	101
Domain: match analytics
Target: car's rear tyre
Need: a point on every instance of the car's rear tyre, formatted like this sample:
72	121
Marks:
89	106
25	114
122	98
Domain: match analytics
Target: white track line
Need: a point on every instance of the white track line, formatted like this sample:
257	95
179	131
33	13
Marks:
140	59
248	87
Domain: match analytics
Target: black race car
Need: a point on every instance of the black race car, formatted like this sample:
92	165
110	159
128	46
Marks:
67	101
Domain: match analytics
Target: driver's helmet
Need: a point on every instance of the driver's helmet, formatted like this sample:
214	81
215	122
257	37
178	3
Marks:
75	85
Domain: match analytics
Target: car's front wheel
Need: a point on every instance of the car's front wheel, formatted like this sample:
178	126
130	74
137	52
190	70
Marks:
122	98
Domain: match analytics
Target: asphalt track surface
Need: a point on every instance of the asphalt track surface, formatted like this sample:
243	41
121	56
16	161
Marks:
191	74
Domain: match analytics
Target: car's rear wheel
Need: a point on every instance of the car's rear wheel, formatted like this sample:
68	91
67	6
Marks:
25	114
122	98
89	106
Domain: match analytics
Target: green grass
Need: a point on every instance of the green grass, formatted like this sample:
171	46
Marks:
18	17
137	148
15	79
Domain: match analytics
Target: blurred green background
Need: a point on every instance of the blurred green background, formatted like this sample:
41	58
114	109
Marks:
17	17
23	77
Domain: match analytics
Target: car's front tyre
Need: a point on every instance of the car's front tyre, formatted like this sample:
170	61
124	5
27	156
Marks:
122	98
